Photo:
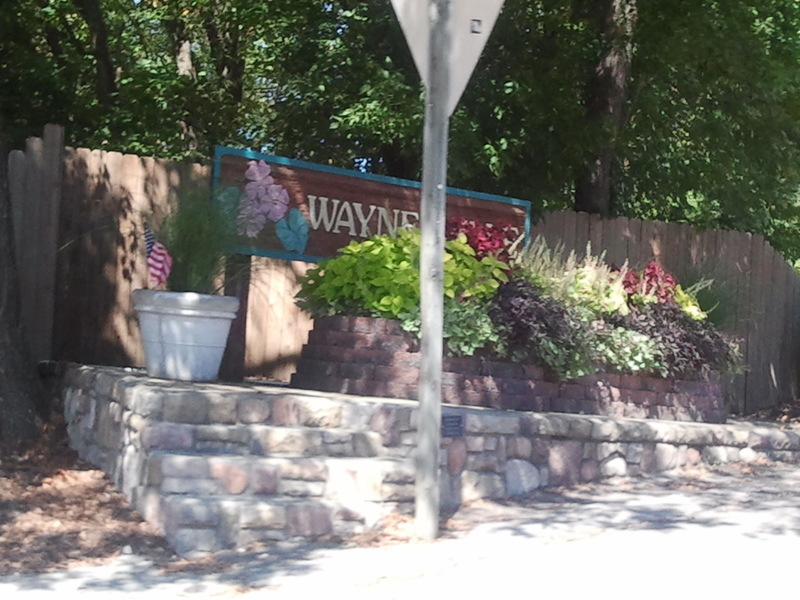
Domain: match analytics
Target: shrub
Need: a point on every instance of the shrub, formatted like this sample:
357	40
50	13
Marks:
538	327
684	346
586	282
380	277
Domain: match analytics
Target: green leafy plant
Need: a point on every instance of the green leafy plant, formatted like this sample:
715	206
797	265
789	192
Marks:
621	350
467	327
380	277
199	233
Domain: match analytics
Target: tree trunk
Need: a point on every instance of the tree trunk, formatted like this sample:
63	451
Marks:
223	41
19	387
184	62
605	105
106	83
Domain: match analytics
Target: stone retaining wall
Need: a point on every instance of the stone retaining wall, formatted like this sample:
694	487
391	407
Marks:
215	466
375	357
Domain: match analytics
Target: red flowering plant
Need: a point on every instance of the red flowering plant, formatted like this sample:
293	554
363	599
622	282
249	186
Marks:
487	239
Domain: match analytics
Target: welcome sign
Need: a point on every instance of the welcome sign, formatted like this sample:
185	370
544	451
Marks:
295	210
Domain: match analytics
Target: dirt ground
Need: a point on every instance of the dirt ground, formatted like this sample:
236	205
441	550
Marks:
58	512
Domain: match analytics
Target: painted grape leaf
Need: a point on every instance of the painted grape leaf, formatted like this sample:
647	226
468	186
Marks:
292	231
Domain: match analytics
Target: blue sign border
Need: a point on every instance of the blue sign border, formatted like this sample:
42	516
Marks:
220	151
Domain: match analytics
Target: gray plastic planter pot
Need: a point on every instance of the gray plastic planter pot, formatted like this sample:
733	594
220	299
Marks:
184	334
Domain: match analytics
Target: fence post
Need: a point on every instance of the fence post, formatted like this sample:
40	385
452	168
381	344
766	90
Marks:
35	208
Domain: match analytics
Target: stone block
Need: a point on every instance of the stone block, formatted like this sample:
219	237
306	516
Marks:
179	512
314	411
606	429
475	486
232	473
222	408
367	443
492	423
285	440
352	484
185	407
449	491
200	487
649	463
262	516
476	443
606	449
590	470
693	456
179	465
252	410
132	471
305	469
748	455
108	428
615	466
145	400
167	436
308	520
456	456
104	383
540	452
247	537
264	479
386	422
633	453
300	488
484	461
191	541
398	492
544	476
666	457
521	477
519	447
234	434
714	455
564	462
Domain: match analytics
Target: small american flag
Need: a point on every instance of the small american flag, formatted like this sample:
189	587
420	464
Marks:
159	262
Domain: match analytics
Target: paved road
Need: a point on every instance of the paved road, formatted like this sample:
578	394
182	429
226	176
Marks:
733	532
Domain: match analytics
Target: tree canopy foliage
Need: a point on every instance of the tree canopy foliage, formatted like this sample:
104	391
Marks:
689	108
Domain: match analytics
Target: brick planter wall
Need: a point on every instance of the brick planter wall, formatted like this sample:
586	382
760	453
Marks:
375	357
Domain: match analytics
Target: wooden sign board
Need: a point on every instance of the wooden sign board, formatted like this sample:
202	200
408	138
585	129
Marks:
295	210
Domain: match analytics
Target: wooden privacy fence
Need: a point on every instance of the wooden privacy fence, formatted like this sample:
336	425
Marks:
759	289
79	216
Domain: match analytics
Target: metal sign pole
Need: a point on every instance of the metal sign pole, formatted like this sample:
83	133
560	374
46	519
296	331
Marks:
432	221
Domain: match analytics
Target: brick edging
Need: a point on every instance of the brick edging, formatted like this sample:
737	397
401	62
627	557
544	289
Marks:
375	357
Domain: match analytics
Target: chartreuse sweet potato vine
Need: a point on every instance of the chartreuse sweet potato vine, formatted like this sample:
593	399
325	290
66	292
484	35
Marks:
379	277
